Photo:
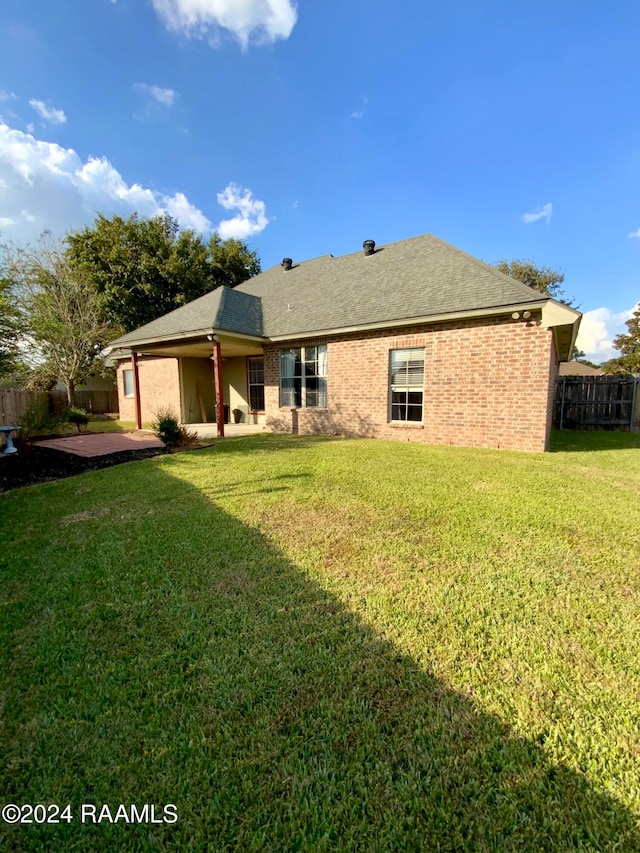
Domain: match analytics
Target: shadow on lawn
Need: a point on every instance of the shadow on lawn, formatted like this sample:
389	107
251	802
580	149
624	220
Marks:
238	689
583	441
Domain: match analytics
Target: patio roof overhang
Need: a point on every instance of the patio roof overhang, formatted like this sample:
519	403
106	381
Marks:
193	345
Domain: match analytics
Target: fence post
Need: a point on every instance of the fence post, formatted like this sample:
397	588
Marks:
564	382
633	403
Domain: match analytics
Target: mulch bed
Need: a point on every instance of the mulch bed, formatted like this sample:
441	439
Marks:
42	464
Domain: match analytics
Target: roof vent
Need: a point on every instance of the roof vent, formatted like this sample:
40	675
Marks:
287	263
369	247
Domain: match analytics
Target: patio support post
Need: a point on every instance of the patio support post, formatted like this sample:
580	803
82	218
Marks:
217	381
136	389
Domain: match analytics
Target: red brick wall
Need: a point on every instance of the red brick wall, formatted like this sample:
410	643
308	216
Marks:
487	384
159	388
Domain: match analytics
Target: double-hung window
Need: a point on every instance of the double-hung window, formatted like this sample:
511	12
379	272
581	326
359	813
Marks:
256	383
303	377
406	384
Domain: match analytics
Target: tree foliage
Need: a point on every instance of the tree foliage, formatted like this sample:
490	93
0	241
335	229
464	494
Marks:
61	312
543	279
10	325
629	345
144	268
9	330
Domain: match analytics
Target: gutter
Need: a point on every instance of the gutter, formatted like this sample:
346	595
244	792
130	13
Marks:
553	314
415	321
184	336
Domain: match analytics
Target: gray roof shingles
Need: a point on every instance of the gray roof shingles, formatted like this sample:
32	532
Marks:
222	308
419	277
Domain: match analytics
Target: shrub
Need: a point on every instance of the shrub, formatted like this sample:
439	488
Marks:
74	415
187	437
37	420
166	428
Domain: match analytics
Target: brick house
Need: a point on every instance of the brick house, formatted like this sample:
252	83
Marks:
414	340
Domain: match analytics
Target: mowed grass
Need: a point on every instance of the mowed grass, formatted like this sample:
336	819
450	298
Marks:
105	424
325	644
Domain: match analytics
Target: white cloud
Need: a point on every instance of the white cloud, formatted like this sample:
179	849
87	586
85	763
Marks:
252	218
635	233
541	213
47	186
48	114
597	330
262	20
6	220
358	114
180	208
166	97
6	96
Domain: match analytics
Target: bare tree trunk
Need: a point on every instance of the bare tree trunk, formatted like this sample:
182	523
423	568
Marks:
71	390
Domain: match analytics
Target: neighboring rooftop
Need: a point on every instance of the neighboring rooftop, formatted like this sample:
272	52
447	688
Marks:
577	368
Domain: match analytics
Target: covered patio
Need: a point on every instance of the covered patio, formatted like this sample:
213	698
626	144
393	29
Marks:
203	362
215	382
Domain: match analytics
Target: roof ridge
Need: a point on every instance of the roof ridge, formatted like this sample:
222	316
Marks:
217	320
487	267
358	252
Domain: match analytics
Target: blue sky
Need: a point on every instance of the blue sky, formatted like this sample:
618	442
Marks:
511	130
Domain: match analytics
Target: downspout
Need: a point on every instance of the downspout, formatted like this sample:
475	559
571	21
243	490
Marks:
217	382
136	389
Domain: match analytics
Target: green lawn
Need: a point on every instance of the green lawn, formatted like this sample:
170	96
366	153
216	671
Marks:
326	644
105	425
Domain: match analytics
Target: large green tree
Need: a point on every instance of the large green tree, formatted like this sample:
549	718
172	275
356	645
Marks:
143	268
629	345
61	313
543	279
10	329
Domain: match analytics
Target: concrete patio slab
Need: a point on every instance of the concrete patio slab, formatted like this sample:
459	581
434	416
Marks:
230	430
101	444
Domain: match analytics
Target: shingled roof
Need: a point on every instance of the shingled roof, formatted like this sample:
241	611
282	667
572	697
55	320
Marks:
422	277
415	278
223	308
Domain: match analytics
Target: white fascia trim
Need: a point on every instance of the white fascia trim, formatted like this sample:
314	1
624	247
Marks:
187	336
558	314
417	321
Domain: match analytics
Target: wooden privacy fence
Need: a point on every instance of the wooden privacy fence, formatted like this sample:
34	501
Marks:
97	402
597	402
14	404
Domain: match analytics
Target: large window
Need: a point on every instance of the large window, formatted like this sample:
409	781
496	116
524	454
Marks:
127	381
303	377
256	384
406	384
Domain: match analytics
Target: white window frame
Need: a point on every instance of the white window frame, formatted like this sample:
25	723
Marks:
128	370
410	383
252	359
302	360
